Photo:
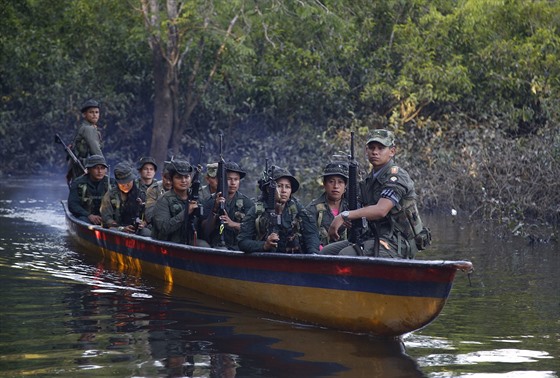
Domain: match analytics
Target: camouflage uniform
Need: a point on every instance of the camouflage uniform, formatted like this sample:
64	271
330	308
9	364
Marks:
398	231
236	207
153	193
85	196
168	222
119	208
86	142
297	230
320	211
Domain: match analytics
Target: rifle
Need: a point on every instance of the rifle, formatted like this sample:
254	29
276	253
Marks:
58	139
354	235
223	189
268	187
191	221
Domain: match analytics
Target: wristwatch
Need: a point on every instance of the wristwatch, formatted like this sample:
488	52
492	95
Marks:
345	215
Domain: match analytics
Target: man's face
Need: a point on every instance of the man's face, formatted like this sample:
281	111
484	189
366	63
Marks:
166	181
97	172
147	173
233	179
92	115
378	155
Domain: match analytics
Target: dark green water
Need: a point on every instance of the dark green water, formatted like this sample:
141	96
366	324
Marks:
65	314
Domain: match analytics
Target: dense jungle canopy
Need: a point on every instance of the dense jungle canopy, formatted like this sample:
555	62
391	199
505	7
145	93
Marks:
470	87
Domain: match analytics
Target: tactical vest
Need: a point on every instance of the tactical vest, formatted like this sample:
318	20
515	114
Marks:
323	231
291	235
88	201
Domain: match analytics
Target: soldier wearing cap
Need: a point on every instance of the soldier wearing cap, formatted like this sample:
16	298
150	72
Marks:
86	192
122	206
332	202
87	140
175	213
234	205
147	169
211	178
389	205
292	230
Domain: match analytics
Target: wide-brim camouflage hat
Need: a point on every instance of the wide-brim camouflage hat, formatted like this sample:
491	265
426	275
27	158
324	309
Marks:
385	137
212	169
124	173
146	160
89	104
94	160
278	173
180	167
338	168
234	167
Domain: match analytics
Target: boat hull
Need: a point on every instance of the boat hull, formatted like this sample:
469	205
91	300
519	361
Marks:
385	297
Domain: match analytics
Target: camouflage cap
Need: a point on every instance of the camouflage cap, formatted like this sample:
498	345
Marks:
212	170
94	160
146	160
385	137
180	167
124	173
339	168
89	104
166	167
278	173
234	167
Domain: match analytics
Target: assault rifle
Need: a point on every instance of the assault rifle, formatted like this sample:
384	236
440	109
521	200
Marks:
268	188
191	220
223	189
355	231
58	139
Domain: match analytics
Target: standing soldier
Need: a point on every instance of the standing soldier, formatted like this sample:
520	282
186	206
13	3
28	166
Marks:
332	202
86	192
225	226
87	141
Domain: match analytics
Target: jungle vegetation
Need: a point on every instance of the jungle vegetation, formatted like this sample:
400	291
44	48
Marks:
470	87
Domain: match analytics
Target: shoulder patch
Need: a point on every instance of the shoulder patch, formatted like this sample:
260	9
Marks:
393	178
394	171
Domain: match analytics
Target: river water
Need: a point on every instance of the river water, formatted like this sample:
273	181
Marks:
65	313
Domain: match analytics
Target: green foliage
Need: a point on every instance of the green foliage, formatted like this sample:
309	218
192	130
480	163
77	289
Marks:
452	79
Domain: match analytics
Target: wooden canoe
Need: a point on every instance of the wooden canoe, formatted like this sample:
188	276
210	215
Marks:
379	296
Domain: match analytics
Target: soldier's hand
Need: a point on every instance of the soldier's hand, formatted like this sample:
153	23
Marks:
335	225
95	219
271	242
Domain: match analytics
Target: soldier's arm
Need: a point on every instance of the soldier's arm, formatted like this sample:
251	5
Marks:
248	233
92	139
106	210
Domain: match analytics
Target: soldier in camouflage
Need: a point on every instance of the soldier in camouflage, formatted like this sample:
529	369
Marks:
389	205
332	202
225	226
86	192
174	212
294	231
121	206
87	141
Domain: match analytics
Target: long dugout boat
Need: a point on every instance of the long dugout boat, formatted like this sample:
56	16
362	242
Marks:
378	296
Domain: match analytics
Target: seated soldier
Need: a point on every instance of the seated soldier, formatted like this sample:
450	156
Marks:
86	192
155	192
147	169
175	216
234	206
211	181
121	206
332	202
278	222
